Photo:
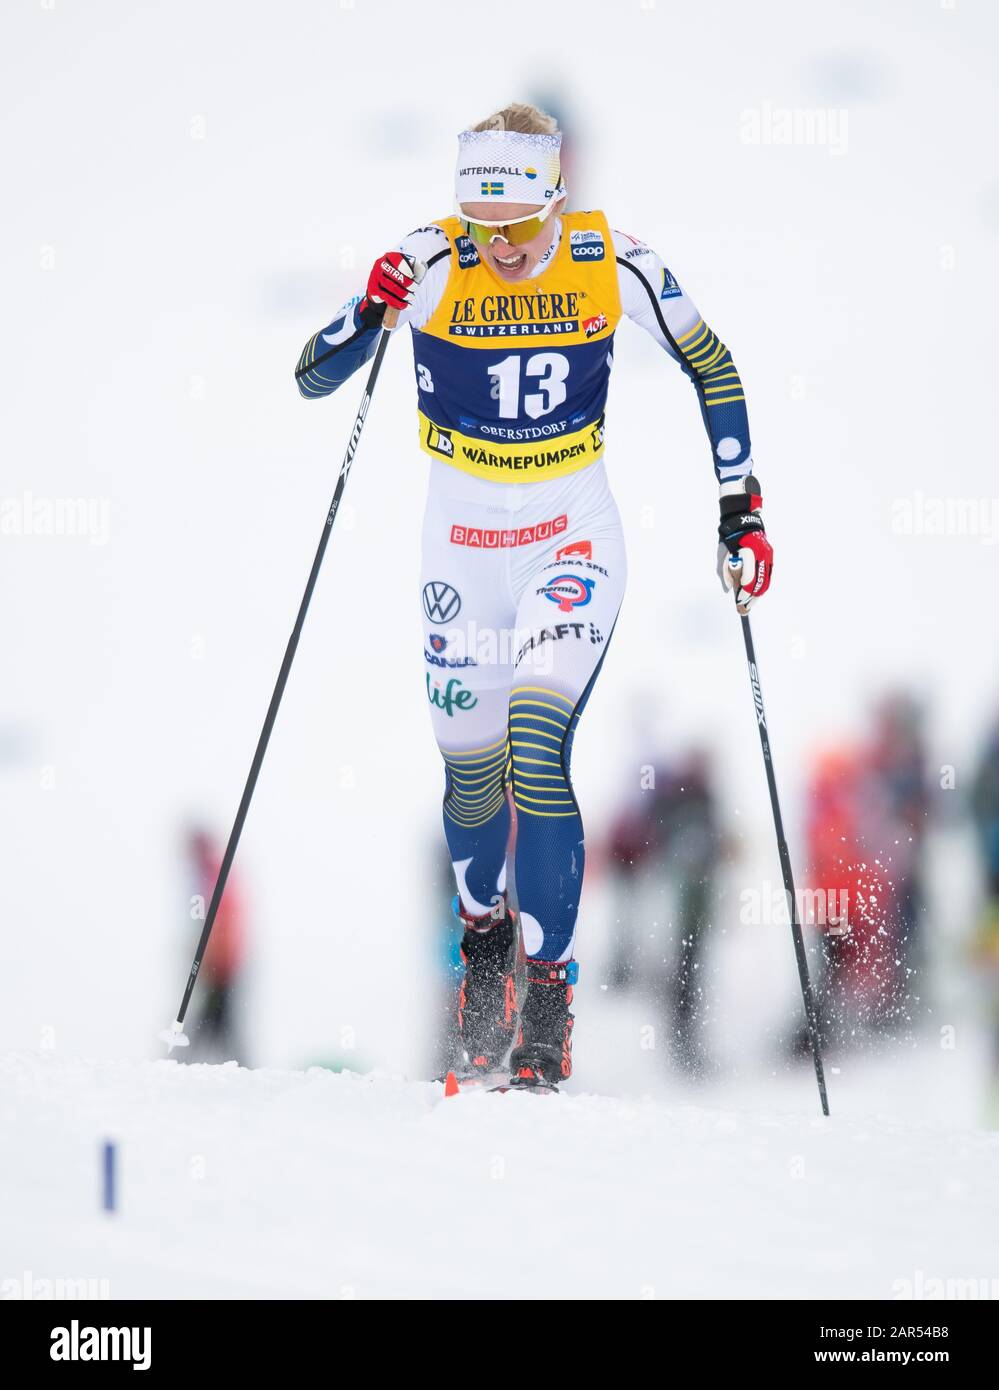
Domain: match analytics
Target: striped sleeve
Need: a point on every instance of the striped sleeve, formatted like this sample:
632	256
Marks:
335	353
651	297
338	350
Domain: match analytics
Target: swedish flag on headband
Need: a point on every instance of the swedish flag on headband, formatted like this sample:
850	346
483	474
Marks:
492	190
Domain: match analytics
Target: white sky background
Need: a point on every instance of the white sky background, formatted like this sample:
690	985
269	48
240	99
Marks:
191	191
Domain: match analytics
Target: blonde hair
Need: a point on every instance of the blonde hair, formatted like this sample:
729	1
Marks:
519	116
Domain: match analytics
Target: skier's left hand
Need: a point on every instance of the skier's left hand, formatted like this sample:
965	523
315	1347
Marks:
743	537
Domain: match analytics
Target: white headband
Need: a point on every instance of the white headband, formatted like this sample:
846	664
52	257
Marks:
507	166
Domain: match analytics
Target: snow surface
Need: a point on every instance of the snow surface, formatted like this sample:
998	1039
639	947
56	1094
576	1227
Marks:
314	1184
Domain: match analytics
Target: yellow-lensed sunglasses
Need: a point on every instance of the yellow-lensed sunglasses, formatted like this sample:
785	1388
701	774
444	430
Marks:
517	232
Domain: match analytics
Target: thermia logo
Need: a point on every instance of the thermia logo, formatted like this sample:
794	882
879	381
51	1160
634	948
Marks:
586	246
76	1343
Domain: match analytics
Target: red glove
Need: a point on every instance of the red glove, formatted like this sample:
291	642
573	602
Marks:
744	539
390	285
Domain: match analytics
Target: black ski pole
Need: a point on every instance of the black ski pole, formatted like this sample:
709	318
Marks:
174	1036
782	850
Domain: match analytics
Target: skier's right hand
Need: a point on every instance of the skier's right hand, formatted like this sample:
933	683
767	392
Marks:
745	556
390	286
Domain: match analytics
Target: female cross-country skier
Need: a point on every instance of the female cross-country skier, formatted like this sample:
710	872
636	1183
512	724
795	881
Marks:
513	303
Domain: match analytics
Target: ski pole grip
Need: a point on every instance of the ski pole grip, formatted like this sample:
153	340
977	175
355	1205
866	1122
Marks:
735	568
391	316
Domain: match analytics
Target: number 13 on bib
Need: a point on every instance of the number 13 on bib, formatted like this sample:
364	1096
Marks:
512	378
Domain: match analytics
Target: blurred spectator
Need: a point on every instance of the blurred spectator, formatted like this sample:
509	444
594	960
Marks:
445	939
865	830
555	97
985	810
666	836
214	1032
900	795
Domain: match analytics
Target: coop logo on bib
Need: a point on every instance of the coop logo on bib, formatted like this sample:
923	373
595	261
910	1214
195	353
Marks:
586	246
467	254
568	591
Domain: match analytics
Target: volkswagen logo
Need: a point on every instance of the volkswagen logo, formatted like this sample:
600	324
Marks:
441	603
